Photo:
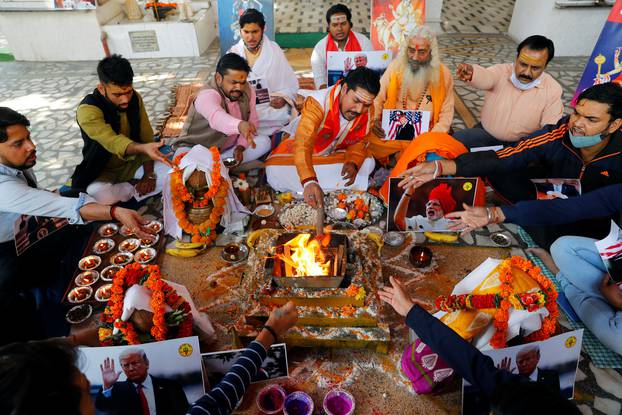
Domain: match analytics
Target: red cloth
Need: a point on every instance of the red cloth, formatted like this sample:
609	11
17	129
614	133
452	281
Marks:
328	133
144	406
352	45
442	193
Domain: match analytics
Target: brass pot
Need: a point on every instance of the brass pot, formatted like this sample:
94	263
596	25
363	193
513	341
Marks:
198	215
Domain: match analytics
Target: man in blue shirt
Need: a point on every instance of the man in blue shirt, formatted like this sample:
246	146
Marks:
41	265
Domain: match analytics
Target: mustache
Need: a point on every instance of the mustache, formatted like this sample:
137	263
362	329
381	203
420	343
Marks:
527	77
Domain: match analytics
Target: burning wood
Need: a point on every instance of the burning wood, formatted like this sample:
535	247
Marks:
305	256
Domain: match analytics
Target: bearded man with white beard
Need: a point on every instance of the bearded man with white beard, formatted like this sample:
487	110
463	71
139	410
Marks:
416	80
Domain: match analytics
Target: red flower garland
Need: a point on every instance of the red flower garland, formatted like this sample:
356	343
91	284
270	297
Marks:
162	294
506	298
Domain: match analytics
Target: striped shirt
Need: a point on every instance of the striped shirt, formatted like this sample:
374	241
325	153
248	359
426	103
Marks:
225	396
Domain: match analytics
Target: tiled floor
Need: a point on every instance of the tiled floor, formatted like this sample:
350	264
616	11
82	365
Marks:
308	16
459	16
477	16
48	94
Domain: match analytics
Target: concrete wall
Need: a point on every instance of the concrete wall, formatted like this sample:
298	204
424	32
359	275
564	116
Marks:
433	10
53	35
574	30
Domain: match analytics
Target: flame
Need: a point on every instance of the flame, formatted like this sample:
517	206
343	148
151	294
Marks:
307	257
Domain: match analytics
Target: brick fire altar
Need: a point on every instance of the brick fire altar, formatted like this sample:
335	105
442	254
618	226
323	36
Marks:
338	310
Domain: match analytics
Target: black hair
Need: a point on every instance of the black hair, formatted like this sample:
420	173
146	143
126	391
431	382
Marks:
522	397
10	117
252	16
609	93
115	69
365	78
39	377
232	61
538	42
338	9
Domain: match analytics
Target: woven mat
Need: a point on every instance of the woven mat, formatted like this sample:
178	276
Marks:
601	356
183	95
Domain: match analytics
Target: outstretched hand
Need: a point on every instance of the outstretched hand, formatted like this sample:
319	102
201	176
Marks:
152	150
109	375
471	218
134	222
505	364
418	175
396	297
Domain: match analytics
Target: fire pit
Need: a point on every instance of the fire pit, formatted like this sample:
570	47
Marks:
302	261
334	293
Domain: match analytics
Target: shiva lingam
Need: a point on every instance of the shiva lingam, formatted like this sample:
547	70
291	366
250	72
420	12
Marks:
197	184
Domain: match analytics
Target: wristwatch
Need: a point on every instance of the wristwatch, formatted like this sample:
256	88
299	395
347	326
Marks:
152	176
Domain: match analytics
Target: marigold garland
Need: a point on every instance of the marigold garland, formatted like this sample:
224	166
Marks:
162	294
205	232
506	298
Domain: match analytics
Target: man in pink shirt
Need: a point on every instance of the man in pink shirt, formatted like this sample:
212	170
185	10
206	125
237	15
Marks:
223	114
520	98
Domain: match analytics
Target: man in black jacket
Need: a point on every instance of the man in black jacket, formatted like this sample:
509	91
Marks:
508	393
119	152
141	393
586	145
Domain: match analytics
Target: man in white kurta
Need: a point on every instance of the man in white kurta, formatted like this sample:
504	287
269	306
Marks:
340	37
270	68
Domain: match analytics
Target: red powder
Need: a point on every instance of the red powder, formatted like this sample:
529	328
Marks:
272	400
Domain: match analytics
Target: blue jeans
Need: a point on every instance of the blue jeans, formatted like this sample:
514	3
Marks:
580	273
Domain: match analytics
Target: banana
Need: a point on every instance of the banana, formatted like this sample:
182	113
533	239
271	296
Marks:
186	253
442	237
253	236
188	245
377	239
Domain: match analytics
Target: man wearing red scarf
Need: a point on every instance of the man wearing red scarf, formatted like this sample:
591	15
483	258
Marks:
340	37
327	148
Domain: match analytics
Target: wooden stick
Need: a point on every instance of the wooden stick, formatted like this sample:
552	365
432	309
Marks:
340	254
287	255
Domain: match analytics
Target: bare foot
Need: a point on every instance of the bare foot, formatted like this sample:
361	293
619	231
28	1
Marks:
545	257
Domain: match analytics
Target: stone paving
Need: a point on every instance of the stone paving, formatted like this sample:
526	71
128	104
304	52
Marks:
477	16
48	94
307	16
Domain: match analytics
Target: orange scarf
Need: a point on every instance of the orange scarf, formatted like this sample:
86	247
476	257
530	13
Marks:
442	144
352	45
330	126
436	91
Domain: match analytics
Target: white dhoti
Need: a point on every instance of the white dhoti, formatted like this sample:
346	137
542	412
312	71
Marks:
110	193
286	179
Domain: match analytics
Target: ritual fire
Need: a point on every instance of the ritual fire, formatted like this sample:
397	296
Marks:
320	262
304	256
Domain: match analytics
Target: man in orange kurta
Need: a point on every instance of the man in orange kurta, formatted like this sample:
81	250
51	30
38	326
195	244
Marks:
329	148
416	80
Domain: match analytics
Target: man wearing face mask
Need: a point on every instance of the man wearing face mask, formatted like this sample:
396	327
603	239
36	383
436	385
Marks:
340	37
268	64
519	99
119	151
416	80
328	150
224	115
585	145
